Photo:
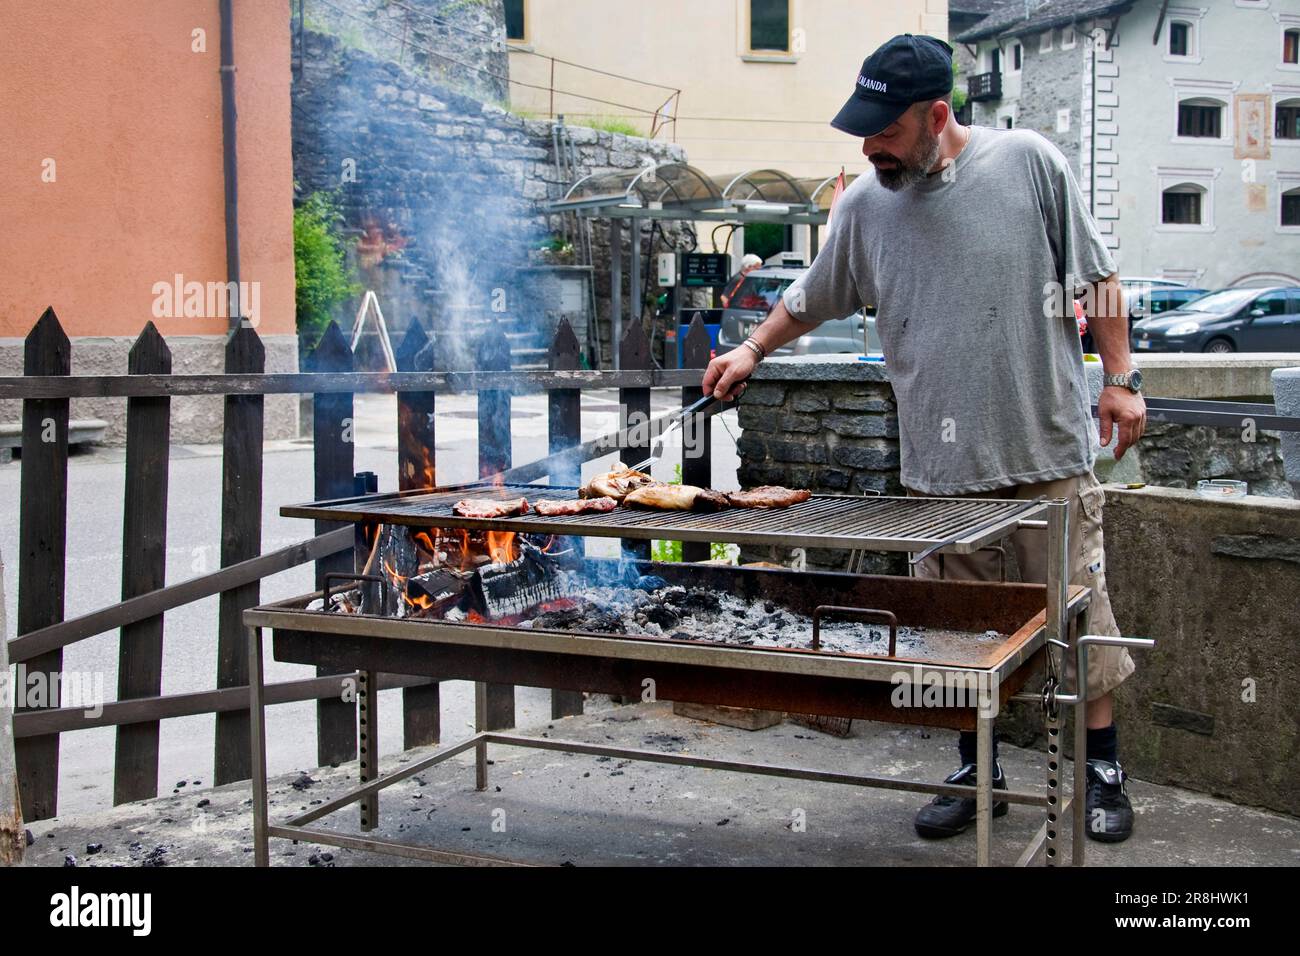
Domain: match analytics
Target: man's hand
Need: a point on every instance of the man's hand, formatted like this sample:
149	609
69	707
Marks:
724	379
1124	411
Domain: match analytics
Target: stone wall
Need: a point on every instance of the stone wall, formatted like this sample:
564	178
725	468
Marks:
459	44
1212	708
829	425
452	188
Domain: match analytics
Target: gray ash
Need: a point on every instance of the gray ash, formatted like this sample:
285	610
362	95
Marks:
700	614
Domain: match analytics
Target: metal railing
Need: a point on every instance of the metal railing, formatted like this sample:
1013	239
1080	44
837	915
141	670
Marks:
984	86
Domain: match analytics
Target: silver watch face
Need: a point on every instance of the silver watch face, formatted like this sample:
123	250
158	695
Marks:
1135	379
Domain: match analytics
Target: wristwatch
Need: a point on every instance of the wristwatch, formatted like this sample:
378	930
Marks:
1132	380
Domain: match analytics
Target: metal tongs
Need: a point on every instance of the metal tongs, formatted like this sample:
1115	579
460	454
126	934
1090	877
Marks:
657	451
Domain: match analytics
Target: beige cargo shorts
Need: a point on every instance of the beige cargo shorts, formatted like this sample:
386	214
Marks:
1107	666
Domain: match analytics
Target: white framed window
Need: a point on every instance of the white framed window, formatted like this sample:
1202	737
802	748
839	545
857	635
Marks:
1286	216
991	59
1015	58
1181	37
1203	111
1286	115
1068	39
1045	41
1186	199
1290	24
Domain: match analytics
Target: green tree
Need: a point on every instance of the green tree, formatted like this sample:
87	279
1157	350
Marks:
324	280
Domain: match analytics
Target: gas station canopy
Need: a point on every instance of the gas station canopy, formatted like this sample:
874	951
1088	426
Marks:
680	191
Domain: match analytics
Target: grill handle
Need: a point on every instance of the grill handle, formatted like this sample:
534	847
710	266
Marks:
353	576
886	617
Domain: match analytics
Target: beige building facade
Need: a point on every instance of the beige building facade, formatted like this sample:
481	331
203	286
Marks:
752	84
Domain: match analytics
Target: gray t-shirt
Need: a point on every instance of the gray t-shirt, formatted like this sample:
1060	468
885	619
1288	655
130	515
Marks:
984	359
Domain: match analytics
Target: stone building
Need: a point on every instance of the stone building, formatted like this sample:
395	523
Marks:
1181	121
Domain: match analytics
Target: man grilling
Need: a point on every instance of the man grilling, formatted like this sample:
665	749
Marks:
973	243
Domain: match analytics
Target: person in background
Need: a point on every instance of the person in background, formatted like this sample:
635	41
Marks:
747	265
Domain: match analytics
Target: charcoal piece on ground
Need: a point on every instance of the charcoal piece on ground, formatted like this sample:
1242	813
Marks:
650	582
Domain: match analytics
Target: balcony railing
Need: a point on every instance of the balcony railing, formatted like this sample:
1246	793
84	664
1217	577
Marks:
984	86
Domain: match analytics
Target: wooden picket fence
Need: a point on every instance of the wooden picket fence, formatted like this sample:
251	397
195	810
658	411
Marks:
46	388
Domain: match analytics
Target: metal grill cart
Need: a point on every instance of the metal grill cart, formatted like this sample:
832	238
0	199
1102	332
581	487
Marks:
1039	625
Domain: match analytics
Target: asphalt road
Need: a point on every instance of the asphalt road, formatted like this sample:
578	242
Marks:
94	544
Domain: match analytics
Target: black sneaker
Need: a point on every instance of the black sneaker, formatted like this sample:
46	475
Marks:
1109	814
949	816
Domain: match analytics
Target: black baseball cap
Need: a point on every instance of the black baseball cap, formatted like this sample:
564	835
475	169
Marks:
905	70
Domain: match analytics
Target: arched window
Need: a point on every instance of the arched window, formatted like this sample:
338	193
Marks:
1183	205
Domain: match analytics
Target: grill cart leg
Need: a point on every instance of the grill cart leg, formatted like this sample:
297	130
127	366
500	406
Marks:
1079	789
480	727
257	734
368	739
984	789
1052	730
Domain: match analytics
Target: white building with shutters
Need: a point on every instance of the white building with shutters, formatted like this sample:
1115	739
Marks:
1181	119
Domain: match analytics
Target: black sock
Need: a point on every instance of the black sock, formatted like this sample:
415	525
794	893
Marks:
967	746
1103	743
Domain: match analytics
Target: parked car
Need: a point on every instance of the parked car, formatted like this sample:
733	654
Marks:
758	295
1145	304
1230	320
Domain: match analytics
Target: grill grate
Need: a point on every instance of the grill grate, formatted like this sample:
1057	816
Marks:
962	525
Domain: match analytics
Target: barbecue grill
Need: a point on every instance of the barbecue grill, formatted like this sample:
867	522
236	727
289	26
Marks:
1034	624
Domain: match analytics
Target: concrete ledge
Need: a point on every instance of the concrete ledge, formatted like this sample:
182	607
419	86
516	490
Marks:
1286	396
1212	708
82	431
1169	375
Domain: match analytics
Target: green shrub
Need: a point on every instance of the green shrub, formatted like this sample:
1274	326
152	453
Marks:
323	279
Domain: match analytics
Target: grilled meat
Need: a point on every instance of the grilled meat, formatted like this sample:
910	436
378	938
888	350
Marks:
767	496
487	508
615	484
552	509
666	497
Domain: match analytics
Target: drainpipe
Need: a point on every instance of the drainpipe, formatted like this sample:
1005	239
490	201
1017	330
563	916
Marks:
229	166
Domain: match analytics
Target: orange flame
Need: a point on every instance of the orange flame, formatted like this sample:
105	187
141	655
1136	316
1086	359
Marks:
501	546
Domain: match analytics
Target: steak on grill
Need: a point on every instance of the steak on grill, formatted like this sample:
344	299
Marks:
768	496
666	497
487	508
551	509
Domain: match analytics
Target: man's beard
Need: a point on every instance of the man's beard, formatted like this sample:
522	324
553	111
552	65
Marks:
913	167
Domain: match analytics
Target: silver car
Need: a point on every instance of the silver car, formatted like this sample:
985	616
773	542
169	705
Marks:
757	296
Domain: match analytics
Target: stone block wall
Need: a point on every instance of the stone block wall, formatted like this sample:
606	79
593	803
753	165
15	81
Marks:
460	44
455	187
829	425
